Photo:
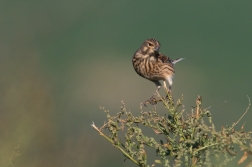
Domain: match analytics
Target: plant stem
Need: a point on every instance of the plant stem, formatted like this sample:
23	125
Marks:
117	146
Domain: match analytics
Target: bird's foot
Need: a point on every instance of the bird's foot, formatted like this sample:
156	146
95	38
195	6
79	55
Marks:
169	93
151	101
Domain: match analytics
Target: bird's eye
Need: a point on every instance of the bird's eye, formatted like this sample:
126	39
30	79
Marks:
150	44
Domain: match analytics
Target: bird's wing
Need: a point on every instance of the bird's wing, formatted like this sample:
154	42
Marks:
163	58
166	59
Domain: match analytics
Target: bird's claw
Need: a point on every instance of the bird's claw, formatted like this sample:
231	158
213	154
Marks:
151	101
169	92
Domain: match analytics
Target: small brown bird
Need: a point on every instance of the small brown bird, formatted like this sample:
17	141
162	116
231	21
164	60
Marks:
152	65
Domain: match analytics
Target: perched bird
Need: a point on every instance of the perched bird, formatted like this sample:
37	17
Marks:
152	65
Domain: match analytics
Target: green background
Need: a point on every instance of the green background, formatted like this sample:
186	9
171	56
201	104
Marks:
61	60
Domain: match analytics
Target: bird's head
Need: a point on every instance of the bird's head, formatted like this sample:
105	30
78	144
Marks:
150	46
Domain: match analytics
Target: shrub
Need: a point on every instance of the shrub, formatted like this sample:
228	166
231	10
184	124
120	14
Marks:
183	138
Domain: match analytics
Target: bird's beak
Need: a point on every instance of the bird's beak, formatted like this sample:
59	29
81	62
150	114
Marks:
156	48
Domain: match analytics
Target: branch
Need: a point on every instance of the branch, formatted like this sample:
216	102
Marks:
242	114
117	146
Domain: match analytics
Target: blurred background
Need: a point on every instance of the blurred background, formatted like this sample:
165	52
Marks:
60	61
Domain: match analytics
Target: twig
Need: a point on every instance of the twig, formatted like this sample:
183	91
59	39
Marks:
202	148
242	114
117	146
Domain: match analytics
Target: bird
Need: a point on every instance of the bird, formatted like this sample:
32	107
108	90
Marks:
152	65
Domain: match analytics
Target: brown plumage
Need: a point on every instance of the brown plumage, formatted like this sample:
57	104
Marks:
152	65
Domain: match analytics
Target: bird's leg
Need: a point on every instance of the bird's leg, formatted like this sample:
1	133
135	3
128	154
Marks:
158	84
153	100
165	88
169	79
156	93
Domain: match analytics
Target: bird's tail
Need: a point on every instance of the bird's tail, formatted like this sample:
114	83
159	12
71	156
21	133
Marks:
177	60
